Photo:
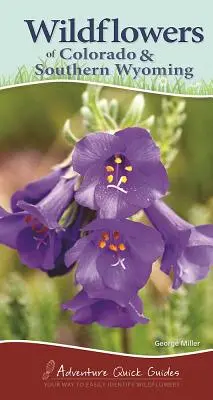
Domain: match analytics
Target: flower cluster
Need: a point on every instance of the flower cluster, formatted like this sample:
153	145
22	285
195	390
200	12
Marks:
81	214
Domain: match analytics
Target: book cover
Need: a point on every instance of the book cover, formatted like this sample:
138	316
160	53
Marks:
106	199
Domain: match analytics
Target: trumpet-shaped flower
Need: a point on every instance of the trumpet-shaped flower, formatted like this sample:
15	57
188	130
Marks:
188	249
35	231
115	254
122	173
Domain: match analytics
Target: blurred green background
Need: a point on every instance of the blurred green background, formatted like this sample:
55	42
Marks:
31	141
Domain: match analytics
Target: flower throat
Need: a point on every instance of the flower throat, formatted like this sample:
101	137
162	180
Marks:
117	170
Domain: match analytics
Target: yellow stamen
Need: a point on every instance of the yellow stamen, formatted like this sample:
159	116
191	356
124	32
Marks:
110	178
116	235
128	168
109	168
118	160
113	247
102	244
105	236
124	179
122	246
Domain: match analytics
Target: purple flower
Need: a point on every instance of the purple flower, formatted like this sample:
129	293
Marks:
122	173
188	249
36	232
115	254
106	312
37	190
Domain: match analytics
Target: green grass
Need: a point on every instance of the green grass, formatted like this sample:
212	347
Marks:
158	84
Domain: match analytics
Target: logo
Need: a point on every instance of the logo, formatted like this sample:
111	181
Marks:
50	366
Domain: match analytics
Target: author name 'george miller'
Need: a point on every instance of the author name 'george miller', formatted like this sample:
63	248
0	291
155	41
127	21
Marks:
117	372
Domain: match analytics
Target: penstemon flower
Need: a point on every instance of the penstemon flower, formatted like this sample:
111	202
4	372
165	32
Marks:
35	231
188	249
122	173
106	312
115	254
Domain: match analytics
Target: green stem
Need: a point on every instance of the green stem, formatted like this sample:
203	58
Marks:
125	340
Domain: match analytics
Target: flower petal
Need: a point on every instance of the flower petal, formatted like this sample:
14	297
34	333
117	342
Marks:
73	254
32	259
109	294
94	149
50	209
80	300
25	241
35	191
111	315
147	243
168	223
140	147
169	256
38	256
27	246
3	212
86	273
147	186
116	277
86	193
52	251
190	269
177	280
201	235
200	255
113	203
110	224
84	316
142	272
10	226
106	312
136	308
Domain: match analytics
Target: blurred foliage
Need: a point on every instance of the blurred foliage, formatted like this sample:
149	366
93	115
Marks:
28	310
100	114
34	122
168	129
